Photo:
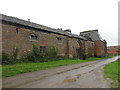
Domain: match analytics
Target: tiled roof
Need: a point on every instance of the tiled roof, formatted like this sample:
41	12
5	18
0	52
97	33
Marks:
91	35
38	26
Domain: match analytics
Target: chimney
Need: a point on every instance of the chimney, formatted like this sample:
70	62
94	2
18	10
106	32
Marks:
28	19
60	29
68	30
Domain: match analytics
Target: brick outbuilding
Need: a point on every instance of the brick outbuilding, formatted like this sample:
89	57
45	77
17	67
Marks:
21	33
113	50
100	45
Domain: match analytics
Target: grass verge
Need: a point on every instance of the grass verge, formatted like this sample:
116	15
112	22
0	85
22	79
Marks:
11	70
111	71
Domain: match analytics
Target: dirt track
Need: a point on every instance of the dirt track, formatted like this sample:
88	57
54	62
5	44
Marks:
84	75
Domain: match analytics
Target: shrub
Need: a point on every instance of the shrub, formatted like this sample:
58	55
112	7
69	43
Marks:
25	58
15	53
51	53
35	51
5	58
35	55
13	58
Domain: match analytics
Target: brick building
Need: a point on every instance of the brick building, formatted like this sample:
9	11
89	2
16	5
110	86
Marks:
113	50
100	45
21	33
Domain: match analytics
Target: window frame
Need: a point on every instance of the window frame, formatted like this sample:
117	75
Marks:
42	49
59	40
33	38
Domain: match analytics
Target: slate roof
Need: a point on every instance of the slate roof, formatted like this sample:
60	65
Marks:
38	26
92	35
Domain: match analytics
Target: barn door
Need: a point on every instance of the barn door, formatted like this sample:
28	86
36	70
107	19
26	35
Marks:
78	52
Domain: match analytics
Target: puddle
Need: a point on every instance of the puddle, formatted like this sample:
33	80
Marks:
78	75
70	80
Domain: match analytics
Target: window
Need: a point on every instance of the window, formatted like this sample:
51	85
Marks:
42	49
17	30
33	37
59	40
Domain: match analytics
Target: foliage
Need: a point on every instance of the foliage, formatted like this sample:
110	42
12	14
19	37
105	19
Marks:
5	58
15	54
36	56
51	53
25	58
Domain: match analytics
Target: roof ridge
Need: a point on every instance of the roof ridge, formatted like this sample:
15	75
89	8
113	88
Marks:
38	26
89	31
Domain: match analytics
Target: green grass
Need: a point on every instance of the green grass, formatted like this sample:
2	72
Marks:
111	71
11	70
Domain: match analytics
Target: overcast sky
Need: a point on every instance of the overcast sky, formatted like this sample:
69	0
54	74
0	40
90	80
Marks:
77	15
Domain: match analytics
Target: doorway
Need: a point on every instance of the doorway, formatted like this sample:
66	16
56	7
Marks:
78	52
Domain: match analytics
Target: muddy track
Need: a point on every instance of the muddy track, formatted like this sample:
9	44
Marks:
84	75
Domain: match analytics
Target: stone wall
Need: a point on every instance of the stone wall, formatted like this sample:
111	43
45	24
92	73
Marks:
89	49
15	35
73	45
21	38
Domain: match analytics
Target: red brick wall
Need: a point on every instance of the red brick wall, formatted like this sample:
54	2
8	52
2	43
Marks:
99	48
113	50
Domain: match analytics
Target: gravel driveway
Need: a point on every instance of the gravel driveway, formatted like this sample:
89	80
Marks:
84	75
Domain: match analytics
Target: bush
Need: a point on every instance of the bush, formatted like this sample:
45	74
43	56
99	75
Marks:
35	56
15	54
51	53
25	58
5	58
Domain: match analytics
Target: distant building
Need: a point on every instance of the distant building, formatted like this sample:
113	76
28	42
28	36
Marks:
113	50
21	33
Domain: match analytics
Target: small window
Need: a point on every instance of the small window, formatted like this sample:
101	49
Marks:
33	37
59	40
42	49
90	38
17	30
